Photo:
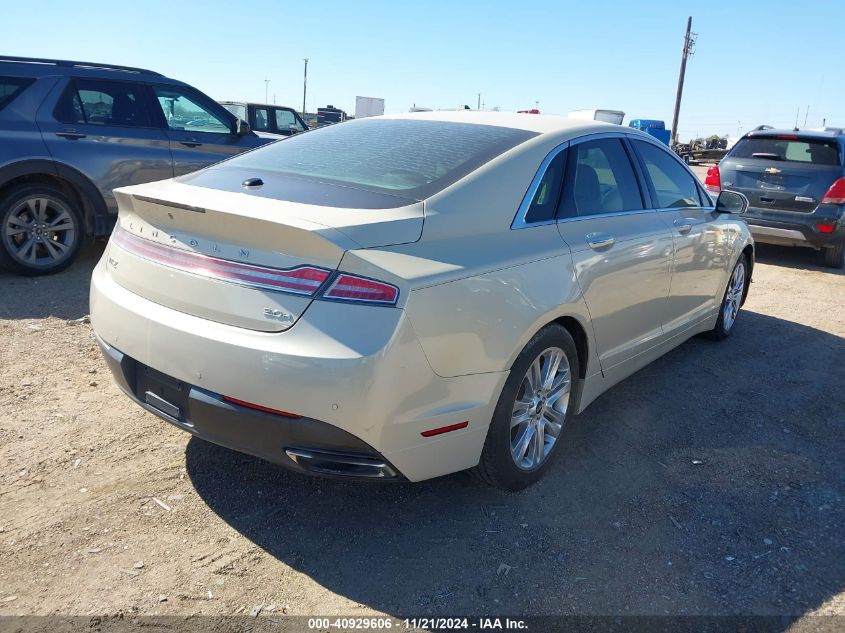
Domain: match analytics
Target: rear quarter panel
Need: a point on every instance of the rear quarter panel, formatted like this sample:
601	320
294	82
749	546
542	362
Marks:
474	304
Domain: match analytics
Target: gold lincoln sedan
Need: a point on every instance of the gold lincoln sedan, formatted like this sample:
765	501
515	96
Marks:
408	296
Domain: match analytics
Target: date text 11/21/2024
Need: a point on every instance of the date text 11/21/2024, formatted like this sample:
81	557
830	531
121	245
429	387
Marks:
424	623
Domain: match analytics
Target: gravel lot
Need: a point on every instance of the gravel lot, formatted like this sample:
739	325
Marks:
711	482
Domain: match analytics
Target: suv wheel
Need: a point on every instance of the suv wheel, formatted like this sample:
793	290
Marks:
834	256
40	230
532	412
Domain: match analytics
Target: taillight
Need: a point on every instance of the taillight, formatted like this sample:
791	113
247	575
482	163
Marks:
836	193
301	280
713	180
348	287
824	227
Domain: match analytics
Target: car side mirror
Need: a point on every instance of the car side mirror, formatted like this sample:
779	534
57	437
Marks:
241	127
731	202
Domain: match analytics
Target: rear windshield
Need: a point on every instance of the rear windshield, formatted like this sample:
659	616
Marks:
801	150
11	87
407	158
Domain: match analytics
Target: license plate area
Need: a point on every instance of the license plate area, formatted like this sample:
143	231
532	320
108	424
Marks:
772	182
162	392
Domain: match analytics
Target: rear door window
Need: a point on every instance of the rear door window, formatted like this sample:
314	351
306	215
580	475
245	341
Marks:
783	148
545	200
11	87
116	103
673	186
600	179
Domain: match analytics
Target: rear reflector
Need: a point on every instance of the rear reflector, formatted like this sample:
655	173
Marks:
351	288
302	280
445	429
836	193
258	407
826	228
713	180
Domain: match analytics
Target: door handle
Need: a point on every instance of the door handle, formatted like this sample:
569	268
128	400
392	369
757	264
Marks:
190	142
597	241
70	134
684	225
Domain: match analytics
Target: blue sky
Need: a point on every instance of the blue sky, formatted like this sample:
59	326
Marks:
755	61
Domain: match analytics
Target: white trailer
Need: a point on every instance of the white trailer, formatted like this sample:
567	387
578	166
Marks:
608	116
368	106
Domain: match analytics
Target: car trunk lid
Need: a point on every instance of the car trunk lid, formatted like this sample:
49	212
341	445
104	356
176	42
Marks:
239	259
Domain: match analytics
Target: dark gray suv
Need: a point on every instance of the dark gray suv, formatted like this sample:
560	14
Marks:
795	184
71	132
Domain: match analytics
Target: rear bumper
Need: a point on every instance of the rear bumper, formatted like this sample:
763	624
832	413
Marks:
303	444
794	230
356	375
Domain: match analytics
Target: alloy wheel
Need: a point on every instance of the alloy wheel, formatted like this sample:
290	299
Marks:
539	411
733	296
39	232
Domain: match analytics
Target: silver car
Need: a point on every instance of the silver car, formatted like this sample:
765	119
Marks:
408	296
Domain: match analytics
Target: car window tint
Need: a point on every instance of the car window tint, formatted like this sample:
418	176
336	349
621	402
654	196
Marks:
262	119
285	119
11	87
404	157
546	197
600	179
674	186
186	112
103	103
816	152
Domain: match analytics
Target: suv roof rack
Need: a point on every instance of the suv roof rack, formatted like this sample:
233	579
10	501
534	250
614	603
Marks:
71	64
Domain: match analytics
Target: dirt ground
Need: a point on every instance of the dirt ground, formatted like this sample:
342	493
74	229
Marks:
711	482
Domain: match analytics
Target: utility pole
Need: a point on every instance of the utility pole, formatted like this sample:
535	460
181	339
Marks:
689	45
266	85
304	85
478	107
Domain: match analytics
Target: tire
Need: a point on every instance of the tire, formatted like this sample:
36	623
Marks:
41	230
500	465
834	257
731	301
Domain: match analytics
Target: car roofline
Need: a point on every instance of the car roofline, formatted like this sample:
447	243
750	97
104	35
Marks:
808	134
537	123
256	104
65	63
36	68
